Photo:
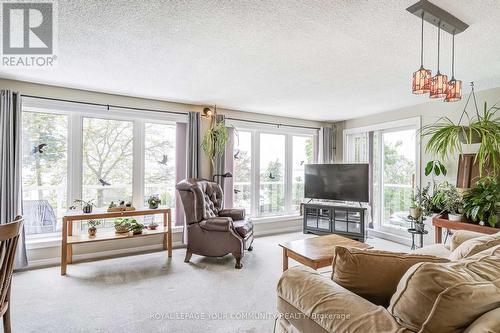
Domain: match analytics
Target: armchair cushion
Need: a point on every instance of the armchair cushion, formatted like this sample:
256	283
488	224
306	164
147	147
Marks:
243	227
354	270
313	303
448	297
216	224
234	213
475	245
460	236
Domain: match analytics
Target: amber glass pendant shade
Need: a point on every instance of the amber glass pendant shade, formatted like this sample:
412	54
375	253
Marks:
454	91
438	86
421	81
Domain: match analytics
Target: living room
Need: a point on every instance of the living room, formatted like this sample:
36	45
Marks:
237	166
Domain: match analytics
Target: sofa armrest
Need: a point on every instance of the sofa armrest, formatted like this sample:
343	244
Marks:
460	236
216	224
354	269
312	302
234	213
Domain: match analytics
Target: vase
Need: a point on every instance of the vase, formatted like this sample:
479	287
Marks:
92	231
455	217
415	212
87	209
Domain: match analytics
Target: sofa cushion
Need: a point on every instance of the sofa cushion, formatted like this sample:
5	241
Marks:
373	274
448	297
487	323
460	236
475	245
437	250
243	227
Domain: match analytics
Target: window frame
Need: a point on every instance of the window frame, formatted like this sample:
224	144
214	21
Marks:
76	113
289	132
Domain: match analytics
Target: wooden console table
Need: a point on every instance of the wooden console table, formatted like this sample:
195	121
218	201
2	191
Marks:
439	223
68	239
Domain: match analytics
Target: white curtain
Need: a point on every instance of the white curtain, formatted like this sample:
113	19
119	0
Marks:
326	140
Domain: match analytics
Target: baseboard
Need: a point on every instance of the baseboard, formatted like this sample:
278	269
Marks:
389	237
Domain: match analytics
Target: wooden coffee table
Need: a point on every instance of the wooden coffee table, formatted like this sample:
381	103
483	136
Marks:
316	252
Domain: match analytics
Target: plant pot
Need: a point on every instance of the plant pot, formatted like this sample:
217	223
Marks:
87	209
136	232
92	231
415	212
463	136
153	206
455	217
152	226
121	229
420	227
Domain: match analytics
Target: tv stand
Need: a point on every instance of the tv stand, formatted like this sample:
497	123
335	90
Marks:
323	218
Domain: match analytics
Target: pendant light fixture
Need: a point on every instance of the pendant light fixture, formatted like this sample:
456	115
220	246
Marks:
439	81
421	78
454	87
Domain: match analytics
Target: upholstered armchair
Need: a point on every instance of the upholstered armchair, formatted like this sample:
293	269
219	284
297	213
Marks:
211	230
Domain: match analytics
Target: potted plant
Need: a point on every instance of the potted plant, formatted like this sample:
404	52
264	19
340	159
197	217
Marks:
86	205
215	140
136	227
482	203
448	200
415	208
154	201
122	225
92	230
447	137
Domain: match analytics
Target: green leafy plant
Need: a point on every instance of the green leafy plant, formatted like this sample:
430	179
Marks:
435	167
482	203
215	140
447	199
93	223
122	224
154	201
447	138
136	227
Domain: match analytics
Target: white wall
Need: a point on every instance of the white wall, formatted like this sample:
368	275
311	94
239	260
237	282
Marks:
430	112
48	254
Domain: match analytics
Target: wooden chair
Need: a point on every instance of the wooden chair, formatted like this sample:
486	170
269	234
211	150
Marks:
9	235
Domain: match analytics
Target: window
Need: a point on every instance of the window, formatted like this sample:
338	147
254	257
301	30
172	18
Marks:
268	174
394	154
272	174
107	160
242	177
81	152
45	170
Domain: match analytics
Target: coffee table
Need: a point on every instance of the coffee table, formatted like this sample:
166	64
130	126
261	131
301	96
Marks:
317	252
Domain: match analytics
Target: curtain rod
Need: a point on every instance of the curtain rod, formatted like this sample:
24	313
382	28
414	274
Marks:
273	124
103	105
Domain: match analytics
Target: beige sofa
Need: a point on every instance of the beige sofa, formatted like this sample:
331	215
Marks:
435	289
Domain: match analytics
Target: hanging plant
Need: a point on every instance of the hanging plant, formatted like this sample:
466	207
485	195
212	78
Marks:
215	140
447	137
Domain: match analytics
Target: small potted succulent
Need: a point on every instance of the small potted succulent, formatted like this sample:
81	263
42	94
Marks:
415	207
92	230
86	205
122	225
154	201
136	227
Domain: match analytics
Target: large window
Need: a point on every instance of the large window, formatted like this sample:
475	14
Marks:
83	152
269	169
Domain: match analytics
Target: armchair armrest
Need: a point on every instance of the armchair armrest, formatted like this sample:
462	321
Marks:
216	224
234	213
314	303
354	270
460	236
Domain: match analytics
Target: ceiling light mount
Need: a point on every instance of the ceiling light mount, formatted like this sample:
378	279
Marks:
438	17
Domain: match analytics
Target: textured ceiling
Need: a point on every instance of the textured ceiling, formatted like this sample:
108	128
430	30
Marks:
321	60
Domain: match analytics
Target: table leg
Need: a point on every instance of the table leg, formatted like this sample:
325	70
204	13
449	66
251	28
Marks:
69	246
63	247
285	260
165	235
438	234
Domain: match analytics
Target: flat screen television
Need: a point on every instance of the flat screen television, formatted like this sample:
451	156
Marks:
345	182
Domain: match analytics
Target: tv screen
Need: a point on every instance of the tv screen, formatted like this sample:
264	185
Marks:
346	182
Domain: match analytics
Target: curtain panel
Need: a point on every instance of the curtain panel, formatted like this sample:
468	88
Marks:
193	145
326	153
10	166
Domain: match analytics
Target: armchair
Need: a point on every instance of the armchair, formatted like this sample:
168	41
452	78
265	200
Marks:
211	230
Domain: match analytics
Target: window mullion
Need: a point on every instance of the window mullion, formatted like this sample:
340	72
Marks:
75	160
255	186
138	164
288	172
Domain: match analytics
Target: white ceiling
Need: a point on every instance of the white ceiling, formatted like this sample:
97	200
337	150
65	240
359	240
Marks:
321	60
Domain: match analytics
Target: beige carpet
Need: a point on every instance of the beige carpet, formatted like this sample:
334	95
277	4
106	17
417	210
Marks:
148	293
